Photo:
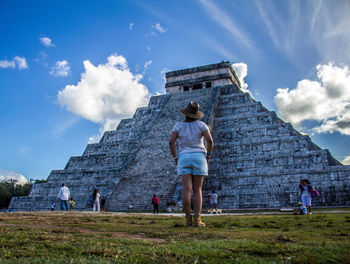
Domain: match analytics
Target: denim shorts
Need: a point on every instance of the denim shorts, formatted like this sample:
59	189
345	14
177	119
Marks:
194	163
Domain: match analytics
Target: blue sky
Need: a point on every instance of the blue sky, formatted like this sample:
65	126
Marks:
70	70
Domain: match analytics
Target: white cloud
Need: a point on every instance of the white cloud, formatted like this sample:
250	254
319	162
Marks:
7	64
146	65
131	25
163	72
19	62
12	175
326	100
61	69
346	160
158	27
47	42
105	94
241	70
148	48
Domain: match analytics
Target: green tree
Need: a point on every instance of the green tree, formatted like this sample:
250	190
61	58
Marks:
10	188
22	190
5	196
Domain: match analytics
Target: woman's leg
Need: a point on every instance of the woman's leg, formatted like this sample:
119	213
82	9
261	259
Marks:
309	203
186	181
197	194
304	201
187	186
197	200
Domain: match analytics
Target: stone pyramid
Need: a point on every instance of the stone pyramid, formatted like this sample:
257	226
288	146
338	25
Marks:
258	160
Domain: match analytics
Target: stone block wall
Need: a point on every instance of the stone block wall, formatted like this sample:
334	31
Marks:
101	166
259	160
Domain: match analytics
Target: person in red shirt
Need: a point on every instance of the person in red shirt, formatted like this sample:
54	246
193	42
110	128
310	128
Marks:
155	202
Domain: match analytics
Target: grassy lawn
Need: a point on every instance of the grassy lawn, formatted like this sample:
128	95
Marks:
44	237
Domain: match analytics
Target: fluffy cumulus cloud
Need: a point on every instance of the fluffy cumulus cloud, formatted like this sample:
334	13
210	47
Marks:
7	64
47	42
326	100
12	175
61	69
241	70
19	62
346	160
105	94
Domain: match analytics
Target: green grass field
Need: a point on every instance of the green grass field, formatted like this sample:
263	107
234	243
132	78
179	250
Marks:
44	237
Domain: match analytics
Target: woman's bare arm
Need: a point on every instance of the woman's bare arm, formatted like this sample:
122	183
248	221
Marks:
210	142
172	145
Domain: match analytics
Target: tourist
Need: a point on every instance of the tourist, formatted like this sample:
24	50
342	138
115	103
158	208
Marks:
306	188
155	202
191	159
214	202
103	203
64	195
52	206
71	204
207	203
300	209
96	204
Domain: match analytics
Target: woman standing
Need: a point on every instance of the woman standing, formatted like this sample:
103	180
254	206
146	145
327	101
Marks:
192	159
96	204
306	188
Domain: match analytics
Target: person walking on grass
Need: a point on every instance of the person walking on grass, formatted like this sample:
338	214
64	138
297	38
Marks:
155	202
71	204
191	159
64	195
207	203
214	202
103	203
96	204
306	189
52	206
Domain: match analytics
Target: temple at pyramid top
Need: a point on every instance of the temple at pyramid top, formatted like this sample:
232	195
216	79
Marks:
202	77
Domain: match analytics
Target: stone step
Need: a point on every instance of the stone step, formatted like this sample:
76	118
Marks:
235	98
250	117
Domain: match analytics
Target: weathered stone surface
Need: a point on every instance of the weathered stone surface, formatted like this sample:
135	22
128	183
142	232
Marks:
257	162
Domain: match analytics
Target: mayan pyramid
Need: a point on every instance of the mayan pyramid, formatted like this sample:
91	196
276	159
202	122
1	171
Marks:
258	160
